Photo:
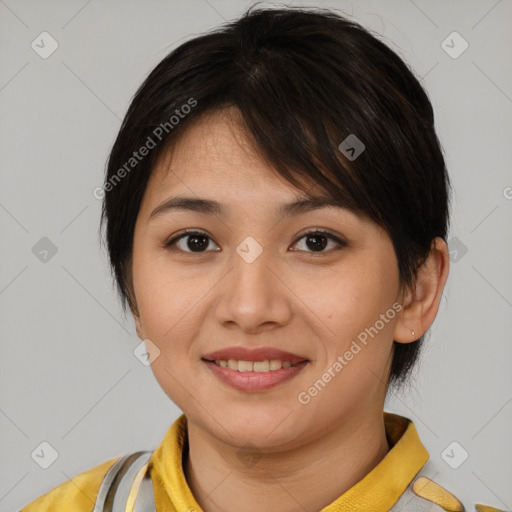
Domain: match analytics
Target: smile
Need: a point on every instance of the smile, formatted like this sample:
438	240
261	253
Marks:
254	376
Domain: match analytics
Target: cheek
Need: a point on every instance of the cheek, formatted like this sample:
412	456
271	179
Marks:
171	302
349	298
166	302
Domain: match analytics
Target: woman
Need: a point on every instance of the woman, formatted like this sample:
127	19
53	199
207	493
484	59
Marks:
276	207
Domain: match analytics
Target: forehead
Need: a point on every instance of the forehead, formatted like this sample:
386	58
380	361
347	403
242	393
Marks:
215	154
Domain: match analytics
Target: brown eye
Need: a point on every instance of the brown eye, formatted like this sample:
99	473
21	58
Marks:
191	241
317	241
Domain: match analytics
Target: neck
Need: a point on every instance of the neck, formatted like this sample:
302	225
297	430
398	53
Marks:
306	478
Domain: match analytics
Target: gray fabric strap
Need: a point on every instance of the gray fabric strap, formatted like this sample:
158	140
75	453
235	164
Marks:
145	501
117	483
133	466
107	483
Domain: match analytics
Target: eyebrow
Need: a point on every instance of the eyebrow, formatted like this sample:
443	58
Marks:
212	207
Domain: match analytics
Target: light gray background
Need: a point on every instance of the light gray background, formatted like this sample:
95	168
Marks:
68	374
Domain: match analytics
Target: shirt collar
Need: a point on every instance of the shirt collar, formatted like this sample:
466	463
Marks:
378	491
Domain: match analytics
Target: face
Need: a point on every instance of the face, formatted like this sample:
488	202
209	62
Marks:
253	275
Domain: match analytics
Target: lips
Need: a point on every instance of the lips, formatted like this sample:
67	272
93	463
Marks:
253	354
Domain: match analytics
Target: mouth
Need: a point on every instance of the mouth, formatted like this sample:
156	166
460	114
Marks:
253	370
247	355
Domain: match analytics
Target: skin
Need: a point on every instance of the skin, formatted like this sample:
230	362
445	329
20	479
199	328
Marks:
313	304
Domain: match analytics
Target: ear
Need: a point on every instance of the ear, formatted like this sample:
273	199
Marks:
420	305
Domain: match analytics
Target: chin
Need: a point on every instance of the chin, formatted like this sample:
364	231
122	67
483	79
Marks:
264	426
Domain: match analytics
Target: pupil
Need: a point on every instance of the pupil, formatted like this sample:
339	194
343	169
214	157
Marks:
194	238
316	245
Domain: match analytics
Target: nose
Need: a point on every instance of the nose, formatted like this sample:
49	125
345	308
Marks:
253	296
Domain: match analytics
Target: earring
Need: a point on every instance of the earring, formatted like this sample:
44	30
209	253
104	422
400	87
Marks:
412	332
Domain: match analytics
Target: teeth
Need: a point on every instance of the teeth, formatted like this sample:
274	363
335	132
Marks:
261	366
275	364
256	366
244	366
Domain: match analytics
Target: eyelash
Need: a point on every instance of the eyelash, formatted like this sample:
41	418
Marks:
316	232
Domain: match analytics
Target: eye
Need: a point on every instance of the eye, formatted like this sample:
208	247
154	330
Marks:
318	239
197	241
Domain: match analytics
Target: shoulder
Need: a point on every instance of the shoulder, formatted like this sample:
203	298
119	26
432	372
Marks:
425	489
76	495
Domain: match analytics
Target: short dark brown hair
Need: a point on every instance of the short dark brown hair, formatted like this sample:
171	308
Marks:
303	80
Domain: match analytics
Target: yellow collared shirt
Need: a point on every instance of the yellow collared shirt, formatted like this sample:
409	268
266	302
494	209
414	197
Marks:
396	484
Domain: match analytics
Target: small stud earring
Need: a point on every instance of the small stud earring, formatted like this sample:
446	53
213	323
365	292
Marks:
412	332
